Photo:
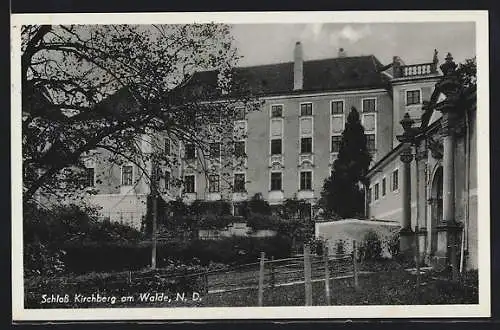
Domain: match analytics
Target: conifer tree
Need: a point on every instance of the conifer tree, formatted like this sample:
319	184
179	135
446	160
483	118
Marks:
342	193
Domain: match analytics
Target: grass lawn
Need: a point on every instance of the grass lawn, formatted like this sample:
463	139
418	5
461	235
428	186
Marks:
394	287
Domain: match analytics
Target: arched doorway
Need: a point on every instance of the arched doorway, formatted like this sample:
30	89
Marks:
436	206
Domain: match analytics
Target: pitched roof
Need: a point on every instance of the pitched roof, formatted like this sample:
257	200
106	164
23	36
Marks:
334	74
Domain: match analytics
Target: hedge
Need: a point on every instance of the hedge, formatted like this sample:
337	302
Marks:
88	257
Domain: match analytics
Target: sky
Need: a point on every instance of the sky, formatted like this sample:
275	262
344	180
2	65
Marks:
413	42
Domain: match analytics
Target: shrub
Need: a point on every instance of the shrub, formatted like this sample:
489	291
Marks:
393	244
340	247
371	247
258	221
47	233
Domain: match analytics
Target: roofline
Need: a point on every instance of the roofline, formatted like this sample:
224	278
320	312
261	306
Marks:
403	80
396	150
389	156
298	94
305	61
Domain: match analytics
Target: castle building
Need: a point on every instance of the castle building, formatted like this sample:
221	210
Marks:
286	149
288	146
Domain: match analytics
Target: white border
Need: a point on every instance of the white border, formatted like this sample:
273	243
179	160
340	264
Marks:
429	311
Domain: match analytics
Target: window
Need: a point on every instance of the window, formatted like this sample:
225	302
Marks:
337	107
368	121
306	145
276	111
89	177
167	146
395	180
239	148
276	147
215	150
239	113
369	105
376	191
306	109
305	180
189	184
127	172
190	151
412	97
213	183
370	142
383	187
336	141
239	183
275	181
369	197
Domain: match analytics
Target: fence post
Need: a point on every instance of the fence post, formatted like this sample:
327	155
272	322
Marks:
355	264
327	275
261	279
205	282
271	265
417	261
307	275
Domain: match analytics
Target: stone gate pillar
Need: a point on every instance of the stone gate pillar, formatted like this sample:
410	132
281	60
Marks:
406	233
449	229
408	139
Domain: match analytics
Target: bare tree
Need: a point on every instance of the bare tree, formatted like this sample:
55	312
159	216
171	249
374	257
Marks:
105	86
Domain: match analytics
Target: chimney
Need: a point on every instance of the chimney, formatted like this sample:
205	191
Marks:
298	67
342	52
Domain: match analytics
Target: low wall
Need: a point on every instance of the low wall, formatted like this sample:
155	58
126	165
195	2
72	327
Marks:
125	209
235	229
348	230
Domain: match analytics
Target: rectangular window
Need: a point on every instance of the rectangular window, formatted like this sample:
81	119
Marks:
306	109
368	121
215	150
276	111
370	142
276	147
167	146
276	181
213	183
89	177
369	197
239	148
412	97
383	187
369	105
239	113
239	183
395	180
306	145
336	141
337	107
127	172
190	151
305	180
337	124
376	191
189	184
